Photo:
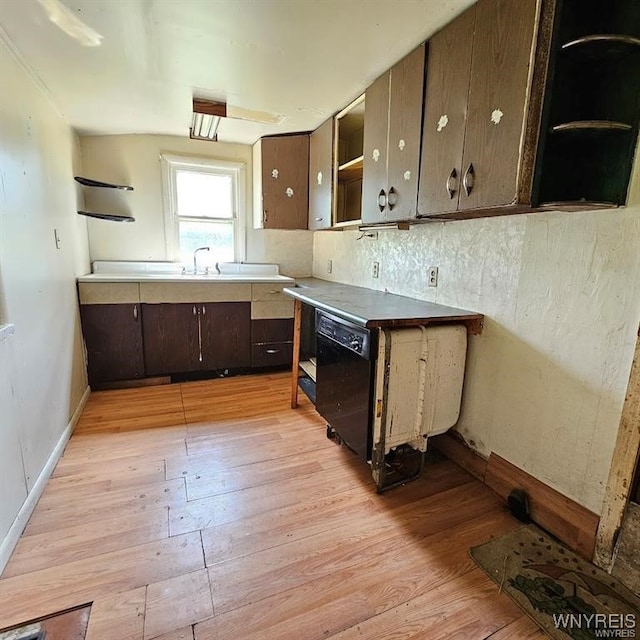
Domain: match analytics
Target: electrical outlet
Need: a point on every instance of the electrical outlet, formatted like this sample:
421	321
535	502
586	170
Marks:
329	266
432	276
375	272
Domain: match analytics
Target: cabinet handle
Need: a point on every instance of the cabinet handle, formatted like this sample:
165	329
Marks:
451	180
135	311
468	180
392	198
318	219
272	351
265	216
194	310
382	200
204	310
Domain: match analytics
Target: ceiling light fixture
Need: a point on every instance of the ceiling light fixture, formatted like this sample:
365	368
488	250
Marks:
206	118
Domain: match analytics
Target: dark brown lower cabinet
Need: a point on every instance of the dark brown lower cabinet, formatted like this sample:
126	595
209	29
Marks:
225	334
113	337
271	342
170	334
184	337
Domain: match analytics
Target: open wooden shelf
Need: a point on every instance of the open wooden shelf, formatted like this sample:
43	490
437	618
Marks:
602	45
591	127
114	217
309	368
88	182
352	170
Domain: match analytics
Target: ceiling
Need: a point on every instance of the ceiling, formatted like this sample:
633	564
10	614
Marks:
298	60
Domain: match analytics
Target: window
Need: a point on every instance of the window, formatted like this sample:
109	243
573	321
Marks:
204	207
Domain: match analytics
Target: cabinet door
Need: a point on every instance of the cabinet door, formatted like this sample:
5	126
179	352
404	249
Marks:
445	112
320	176
285	182
225	335
170	334
113	337
497	97
405	123
376	131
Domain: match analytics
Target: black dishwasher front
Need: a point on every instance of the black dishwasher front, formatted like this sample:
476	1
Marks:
344	384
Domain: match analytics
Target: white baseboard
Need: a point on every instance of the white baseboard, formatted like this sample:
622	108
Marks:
13	535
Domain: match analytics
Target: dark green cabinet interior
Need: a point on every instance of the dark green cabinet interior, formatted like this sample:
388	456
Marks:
592	104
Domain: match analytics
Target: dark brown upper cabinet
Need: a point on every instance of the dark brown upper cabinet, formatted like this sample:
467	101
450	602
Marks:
476	93
392	124
281	182
531	104
321	176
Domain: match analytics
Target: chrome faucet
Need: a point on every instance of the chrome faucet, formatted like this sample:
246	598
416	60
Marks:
195	258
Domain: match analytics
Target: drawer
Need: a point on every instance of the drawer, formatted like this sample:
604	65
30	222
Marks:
261	309
273	330
267	291
271	354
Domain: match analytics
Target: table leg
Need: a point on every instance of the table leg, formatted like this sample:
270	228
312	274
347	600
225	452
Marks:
295	369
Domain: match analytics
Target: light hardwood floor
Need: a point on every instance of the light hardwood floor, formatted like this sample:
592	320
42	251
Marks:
211	510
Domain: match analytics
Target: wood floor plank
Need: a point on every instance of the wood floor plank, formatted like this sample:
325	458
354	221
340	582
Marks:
237	582
177	602
126	467
40	593
87	539
280	526
121	502
186	633
521	629
465	607
147	472
298	544
215	510
118	615
342	599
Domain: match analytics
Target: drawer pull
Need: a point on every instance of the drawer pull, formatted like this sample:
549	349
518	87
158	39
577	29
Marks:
468	180
272	351
451	180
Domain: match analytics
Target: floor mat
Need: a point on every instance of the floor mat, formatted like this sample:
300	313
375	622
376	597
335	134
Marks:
565	595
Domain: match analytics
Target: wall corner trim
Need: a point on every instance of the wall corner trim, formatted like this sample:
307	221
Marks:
11	539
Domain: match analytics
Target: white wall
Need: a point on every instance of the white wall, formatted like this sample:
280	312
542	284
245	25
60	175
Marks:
42	372
547	378
135	160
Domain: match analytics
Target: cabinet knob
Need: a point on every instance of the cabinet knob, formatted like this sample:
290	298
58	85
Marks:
392	198
451	183
468	180
382	200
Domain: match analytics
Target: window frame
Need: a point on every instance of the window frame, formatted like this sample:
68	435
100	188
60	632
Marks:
237	170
